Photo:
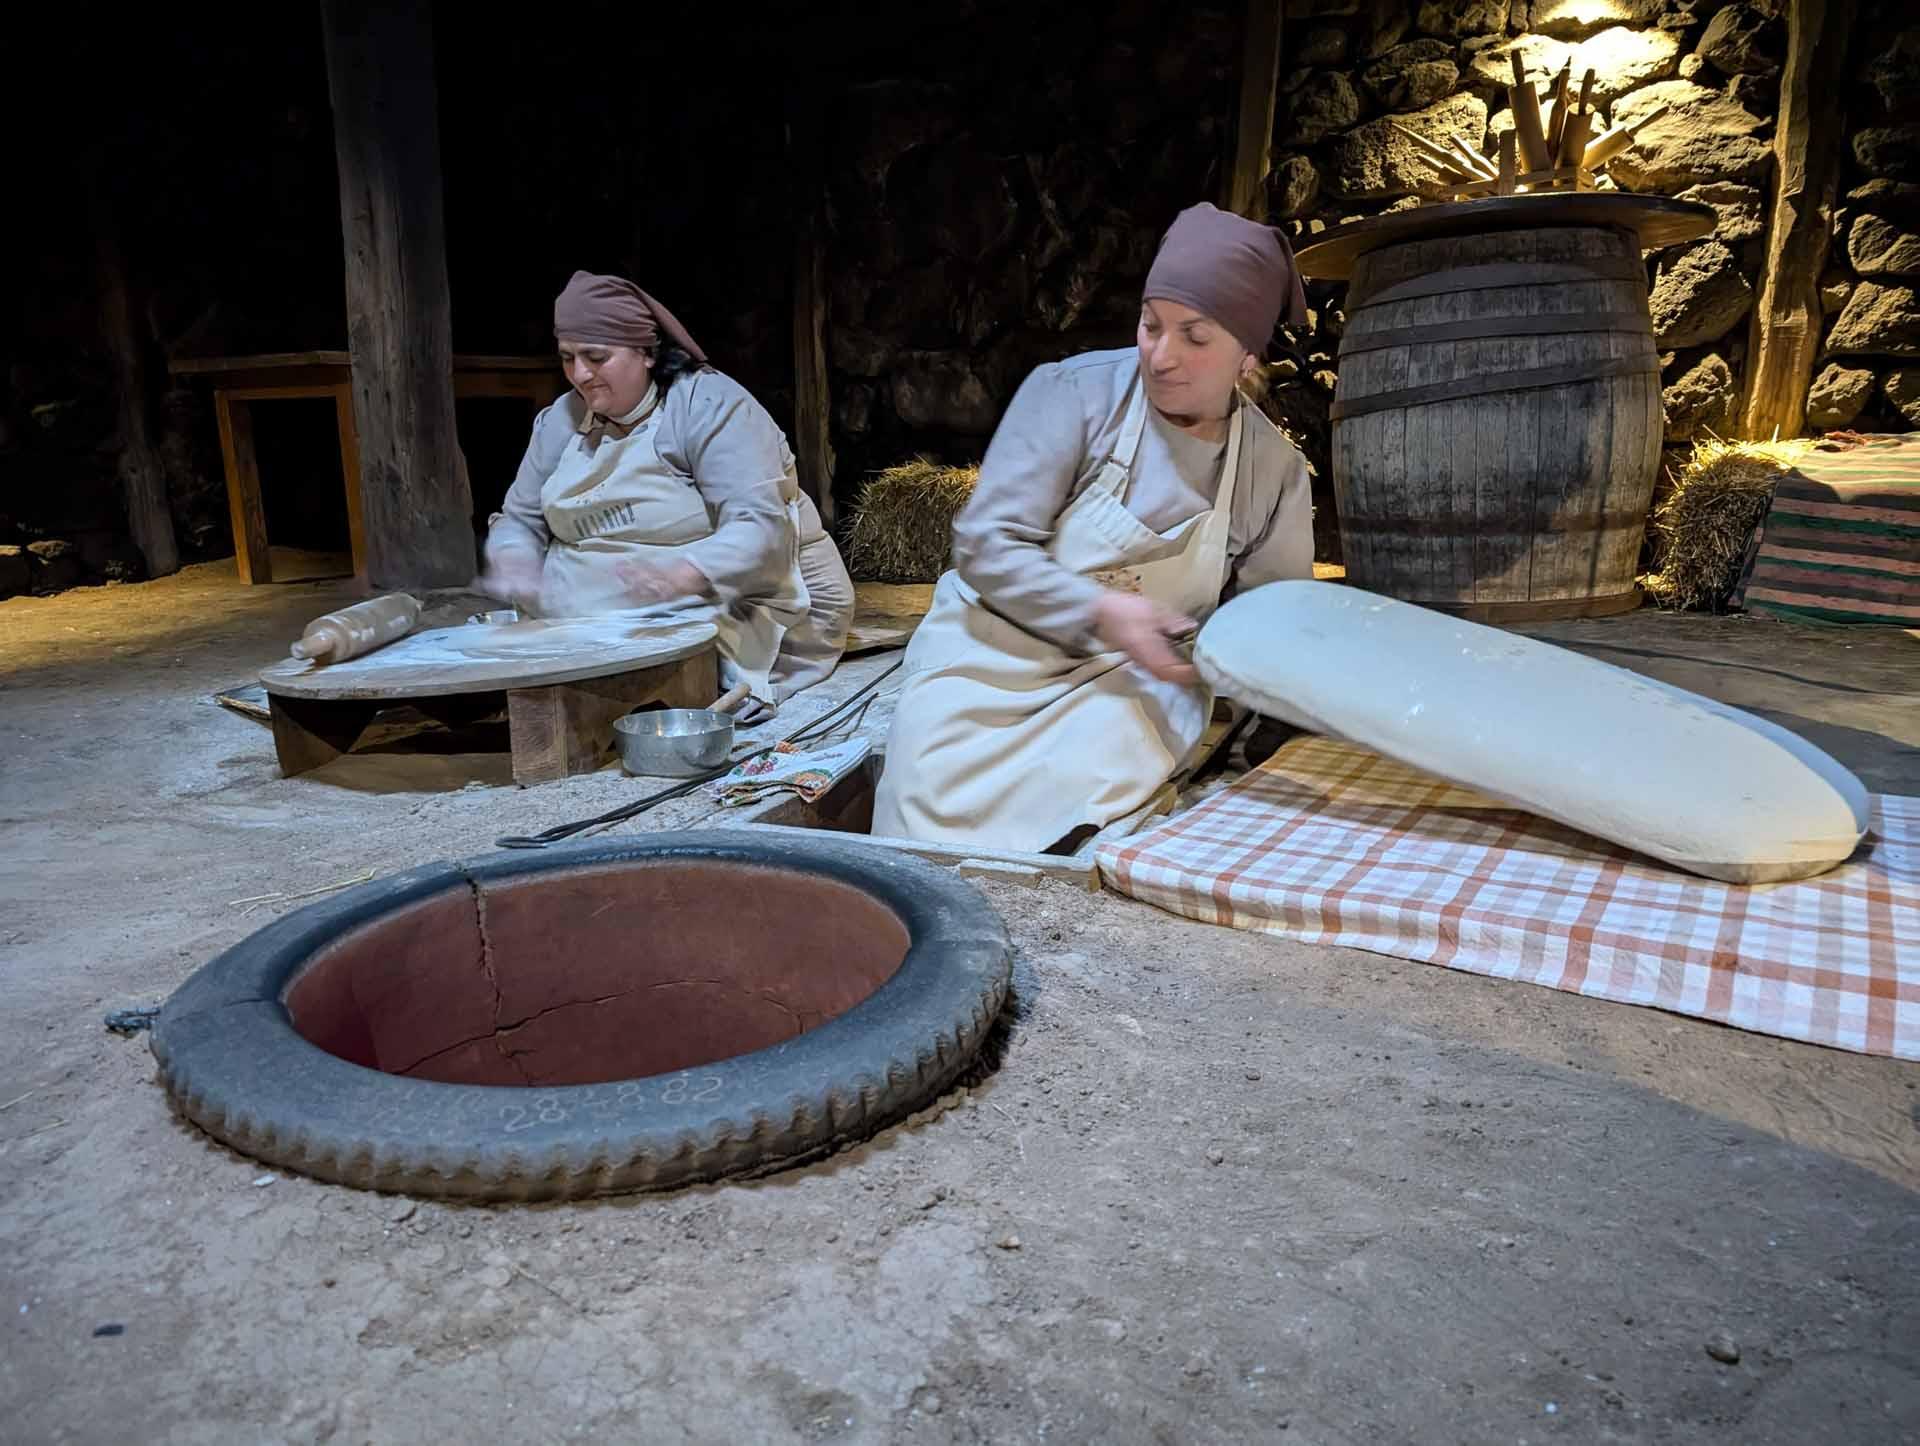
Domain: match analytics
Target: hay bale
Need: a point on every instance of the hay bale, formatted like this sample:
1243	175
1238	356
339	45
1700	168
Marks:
902	528
1702	529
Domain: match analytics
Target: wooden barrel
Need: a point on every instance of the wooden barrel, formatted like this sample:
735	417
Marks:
1497	425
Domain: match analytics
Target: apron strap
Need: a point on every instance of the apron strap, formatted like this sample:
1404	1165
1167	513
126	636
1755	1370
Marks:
1230	468
1229	488
1117	471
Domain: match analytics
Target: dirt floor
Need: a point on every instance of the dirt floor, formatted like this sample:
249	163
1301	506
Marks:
1222	1188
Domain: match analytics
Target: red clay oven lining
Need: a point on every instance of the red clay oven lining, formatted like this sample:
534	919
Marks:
596	974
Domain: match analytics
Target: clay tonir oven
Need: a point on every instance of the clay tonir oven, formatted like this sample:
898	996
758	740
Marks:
609	1017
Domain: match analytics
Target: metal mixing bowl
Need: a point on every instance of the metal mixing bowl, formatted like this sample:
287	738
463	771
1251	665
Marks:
674	742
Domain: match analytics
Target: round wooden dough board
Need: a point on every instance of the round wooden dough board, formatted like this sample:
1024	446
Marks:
1656	220
484	657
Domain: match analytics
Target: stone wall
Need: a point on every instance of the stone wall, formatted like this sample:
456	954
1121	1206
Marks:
996	193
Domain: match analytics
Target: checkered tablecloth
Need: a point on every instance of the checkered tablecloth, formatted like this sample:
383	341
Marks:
1331	844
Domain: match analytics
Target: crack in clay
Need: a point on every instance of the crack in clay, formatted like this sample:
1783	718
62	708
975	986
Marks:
426	1059
500	1029
498	1034
493	979
786	1009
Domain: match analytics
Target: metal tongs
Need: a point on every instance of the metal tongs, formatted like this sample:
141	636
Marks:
1182	643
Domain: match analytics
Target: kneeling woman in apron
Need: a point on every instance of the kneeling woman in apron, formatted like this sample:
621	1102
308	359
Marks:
658	483
1125	495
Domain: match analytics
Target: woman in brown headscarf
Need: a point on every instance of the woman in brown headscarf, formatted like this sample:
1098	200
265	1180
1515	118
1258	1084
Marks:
658	482
1125	495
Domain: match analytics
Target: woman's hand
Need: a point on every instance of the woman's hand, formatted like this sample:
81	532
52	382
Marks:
512	577
652	582
1140	628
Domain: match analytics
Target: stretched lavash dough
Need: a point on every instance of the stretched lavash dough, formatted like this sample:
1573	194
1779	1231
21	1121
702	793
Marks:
1660	770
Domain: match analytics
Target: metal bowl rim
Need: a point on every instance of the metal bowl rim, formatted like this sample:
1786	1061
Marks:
664	723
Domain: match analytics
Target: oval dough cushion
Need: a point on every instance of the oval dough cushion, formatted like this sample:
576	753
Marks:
1665	772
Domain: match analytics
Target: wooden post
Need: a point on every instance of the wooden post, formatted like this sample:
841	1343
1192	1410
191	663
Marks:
1243	188
416	509
1784	337
812	398
142	476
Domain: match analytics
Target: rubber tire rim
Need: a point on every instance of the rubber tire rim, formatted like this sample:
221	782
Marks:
232	1063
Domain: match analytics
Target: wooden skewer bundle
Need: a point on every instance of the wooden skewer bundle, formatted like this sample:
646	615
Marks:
1554	150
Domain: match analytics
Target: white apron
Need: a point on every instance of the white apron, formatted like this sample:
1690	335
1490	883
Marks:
1004	739
620	501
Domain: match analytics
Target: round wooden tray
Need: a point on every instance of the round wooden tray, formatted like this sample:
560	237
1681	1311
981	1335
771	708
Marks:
1656	220
488	657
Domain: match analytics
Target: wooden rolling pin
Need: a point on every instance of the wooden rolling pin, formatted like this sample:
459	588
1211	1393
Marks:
1578	129
1526	119
1476	163
1573	140
1606	147
359	629
1443	159
1557	110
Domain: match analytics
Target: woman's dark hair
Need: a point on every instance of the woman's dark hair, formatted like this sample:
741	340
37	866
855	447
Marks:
670	363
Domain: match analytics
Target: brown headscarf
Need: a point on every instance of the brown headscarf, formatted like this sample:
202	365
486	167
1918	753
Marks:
613	311
1234	270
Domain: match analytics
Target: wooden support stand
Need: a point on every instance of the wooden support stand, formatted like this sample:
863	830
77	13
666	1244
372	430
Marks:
308	732
567	728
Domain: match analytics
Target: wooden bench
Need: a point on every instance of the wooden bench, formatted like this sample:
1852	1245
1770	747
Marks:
240	381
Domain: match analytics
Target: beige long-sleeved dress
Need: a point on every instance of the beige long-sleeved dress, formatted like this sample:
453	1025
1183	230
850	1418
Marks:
710	434
1016	725
1061	425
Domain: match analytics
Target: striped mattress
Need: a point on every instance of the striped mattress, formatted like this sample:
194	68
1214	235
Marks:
1841	540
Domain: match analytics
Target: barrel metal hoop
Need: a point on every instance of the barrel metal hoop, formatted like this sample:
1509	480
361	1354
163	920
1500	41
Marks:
1561	324
1598	369
1558	523
1504	274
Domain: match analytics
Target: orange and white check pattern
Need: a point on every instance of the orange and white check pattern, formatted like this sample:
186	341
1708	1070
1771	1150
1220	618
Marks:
1329	843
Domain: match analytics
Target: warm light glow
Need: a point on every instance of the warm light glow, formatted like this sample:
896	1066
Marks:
1579	12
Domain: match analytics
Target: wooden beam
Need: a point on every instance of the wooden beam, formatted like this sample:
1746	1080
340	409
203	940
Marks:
1784	336
812	398
418	514
278	360
1244	187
